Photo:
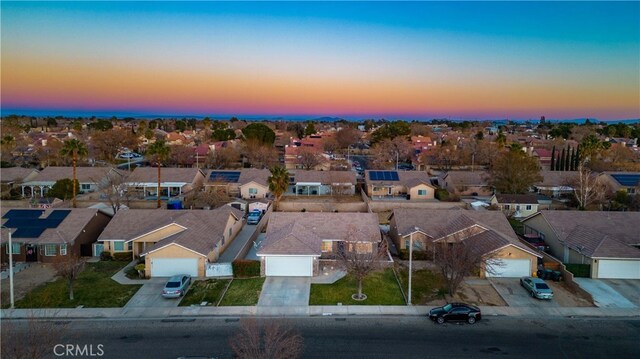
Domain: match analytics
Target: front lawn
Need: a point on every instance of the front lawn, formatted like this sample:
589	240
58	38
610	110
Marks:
243	292
425	287
94	288
209	291
380	287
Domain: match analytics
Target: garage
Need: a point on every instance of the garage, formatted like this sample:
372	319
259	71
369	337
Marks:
511	268
618	269
167	267
289	266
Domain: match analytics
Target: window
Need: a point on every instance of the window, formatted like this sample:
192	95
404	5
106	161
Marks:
50	250
118	246
15	246
417	245
85	186
327	246
506	206
422	192
360	247
528	207
253	191
230	232
517	207
130	246
63	249
631	190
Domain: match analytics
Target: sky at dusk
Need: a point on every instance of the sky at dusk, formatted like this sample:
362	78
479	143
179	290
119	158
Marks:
414	60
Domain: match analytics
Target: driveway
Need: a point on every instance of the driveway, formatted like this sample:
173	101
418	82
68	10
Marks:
285	292
604	295
232	251
628	288
149	296
516	296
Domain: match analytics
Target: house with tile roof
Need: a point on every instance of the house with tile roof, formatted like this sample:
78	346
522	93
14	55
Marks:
245	183
466	183
89	179
296	242
628	182
173	242
322	183
516	205
51	235
489	232
556	184
409	185
143	181
609	242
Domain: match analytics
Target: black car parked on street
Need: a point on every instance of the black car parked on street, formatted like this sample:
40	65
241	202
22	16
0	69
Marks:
455	312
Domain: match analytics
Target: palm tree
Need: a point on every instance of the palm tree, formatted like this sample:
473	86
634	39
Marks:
278	182
75	149
160	151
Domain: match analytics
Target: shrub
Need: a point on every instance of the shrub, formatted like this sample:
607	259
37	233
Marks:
105	256
579	270
442	194
139	267
246	268
122	256
417	255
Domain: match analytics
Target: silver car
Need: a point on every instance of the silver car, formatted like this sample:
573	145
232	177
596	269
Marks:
536	287
177	286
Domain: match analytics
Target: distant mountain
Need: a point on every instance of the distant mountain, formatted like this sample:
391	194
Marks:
327	119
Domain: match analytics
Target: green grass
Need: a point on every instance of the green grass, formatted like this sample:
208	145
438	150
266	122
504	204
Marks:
209	290
425	287
380	287
94	288
243	292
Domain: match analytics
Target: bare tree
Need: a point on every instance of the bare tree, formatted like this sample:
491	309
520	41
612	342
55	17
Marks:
587	187
69	270
347	136
360	259
308	159
114	188
216	196
266	340
260	155
225	157
32	338
387	152
457	256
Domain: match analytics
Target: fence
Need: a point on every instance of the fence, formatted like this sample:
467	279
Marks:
219	270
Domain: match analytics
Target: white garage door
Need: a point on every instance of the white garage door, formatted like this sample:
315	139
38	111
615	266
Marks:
289	266
167	267
511	268
619	269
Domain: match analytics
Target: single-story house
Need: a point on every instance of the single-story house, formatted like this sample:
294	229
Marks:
556	184
412	185
622	181
89	179
172	242
173	181
544	157
246	183
465	183
11	175
516	205
489	231
50	235
323	183
608	241
295	242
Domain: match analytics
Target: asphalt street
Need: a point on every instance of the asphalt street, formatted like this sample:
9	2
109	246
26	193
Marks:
360	337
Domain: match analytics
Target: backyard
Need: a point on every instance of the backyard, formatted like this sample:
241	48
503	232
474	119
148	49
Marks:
94	288
380	287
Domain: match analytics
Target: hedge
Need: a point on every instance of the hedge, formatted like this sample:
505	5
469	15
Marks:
417	255
579	270
246	268
123	256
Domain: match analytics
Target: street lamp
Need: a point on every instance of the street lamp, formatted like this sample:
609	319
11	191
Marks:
11	297
415	229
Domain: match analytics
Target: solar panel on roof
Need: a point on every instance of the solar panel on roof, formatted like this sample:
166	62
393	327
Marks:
27	232
629	180
383	176
23	213
59	214
231	177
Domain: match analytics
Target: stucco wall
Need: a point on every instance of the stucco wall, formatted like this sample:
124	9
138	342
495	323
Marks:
262	190
414	192
383	206
513	252
317	206
539	224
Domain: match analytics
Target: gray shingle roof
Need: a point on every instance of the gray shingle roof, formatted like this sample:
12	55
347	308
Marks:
405	178
325	177
13	174
302	232
516	198
83	174
167	174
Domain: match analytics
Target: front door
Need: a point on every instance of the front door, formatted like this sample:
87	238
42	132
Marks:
32	253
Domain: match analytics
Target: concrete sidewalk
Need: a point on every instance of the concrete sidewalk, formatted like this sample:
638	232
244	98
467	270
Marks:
345	310
121	278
